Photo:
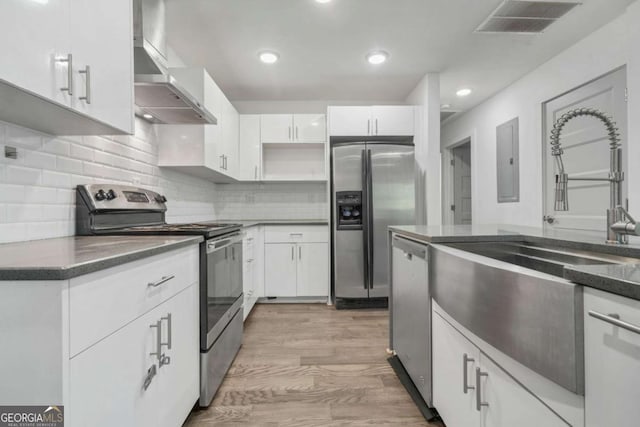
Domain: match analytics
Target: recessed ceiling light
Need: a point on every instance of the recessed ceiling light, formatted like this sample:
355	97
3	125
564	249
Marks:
445	106
323	1
463	92
269	57
147	116
377	57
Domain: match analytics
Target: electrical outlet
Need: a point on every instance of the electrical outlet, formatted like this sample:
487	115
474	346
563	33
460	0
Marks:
10	152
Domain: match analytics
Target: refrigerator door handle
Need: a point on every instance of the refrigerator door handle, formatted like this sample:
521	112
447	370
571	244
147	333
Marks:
369	218
365	216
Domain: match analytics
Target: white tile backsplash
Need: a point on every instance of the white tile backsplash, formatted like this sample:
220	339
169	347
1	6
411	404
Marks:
37	190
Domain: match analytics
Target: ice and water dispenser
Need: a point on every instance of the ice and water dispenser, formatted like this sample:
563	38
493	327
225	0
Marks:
349	210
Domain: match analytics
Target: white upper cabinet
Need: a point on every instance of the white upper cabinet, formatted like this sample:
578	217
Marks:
102	65
249	168
305	128
229	123
310	128
276	128
349	121
388	120
43	68
392	120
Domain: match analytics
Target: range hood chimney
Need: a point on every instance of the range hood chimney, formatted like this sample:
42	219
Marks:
159	96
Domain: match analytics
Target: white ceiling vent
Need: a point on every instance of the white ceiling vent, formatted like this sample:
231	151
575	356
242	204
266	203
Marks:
521	16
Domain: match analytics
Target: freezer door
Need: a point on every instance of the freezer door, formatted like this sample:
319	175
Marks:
350	262
392	202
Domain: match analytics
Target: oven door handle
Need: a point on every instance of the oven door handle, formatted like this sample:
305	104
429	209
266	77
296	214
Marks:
216	245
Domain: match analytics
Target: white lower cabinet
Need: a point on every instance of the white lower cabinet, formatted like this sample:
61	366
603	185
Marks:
296	269
612	360
470	390
113	382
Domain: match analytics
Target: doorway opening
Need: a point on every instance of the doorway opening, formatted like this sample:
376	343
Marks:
460	195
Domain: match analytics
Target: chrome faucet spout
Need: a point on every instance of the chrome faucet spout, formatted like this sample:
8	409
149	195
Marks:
619	223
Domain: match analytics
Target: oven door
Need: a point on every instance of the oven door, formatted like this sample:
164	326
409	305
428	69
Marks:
223	293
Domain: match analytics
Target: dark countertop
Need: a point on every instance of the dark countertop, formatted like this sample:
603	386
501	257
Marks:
68	257
253	222
621	279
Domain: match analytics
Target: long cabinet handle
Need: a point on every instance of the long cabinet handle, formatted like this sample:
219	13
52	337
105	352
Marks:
158	327
289	133
222	162
614	319
376	126
368	126
255	173
297	138
479	402
169	331
164	279
87	84
465	362
299	252
69	61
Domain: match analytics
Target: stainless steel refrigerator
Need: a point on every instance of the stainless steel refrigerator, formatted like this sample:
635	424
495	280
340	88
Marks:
373	186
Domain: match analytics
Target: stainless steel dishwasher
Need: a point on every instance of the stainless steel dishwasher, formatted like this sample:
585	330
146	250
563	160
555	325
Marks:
411	312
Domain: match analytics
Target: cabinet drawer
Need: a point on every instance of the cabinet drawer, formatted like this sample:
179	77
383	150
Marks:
102	302
294	234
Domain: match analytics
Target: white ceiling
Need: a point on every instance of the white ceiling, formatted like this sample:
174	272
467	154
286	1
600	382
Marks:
323	46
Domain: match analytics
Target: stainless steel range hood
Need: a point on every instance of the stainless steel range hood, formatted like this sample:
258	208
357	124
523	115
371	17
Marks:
160	97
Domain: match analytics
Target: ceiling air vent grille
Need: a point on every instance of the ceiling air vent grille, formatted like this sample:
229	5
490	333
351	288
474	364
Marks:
520	16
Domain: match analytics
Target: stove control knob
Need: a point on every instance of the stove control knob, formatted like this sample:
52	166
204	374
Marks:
161	199
100	195
111	195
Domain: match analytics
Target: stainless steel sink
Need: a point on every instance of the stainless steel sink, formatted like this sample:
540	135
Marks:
544	258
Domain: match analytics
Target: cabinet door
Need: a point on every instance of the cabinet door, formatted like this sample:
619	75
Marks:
349	121
35	34
106	381
249	168
179	381
258	267
101	39
455	404
280	270
230	128
393	120
310	127
509	404
276	128
313	269
612	361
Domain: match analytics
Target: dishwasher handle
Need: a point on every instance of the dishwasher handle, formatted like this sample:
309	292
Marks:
410	247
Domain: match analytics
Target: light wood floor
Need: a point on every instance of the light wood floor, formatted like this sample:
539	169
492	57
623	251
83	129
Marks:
311	365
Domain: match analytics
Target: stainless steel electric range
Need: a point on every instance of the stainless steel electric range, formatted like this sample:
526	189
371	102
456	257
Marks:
117	209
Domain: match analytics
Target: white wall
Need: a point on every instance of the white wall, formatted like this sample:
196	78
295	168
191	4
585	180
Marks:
610	47
426	95
37	197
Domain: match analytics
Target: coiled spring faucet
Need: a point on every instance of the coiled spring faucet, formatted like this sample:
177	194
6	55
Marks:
619	223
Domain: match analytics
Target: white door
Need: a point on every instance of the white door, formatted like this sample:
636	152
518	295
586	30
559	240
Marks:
453	356
462	184
349	121
276	128
249	168
612	361
102	45
392	120
508	403
586	151
179	381
313	269
310	127
35	33
280	269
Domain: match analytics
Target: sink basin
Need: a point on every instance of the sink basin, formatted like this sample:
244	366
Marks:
544	258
